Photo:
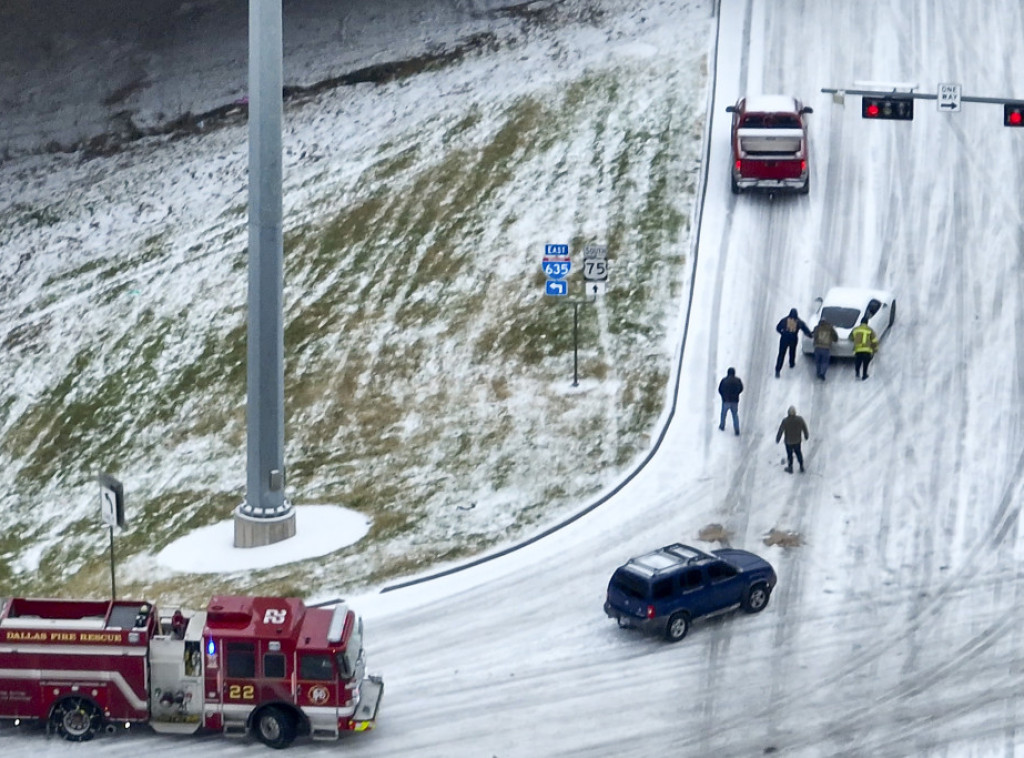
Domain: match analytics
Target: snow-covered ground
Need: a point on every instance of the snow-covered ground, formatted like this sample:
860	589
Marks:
428	377
321	530
895	627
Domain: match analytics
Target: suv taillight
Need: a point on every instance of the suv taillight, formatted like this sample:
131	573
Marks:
650	611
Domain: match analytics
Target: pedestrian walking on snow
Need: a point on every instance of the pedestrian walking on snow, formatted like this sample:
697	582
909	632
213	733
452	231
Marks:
730	388
793	430
789	329
824	336
865	345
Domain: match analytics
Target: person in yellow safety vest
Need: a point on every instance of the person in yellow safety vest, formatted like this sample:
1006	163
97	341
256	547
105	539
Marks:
865	345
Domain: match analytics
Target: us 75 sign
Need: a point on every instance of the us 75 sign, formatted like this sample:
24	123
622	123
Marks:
595	269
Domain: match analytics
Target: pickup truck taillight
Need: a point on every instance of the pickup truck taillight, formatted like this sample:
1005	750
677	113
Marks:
650	611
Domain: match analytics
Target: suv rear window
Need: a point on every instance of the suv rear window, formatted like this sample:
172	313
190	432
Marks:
630	584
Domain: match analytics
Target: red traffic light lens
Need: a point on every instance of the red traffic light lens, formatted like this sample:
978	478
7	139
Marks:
1013	114
871	110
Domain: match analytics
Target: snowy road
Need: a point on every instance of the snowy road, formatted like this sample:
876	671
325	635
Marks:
895	628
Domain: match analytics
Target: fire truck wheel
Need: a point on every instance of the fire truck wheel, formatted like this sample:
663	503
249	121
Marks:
76	719
274	727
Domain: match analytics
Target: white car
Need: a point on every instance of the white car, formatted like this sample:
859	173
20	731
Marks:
844	307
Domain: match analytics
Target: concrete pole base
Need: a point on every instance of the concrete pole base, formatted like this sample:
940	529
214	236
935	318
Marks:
257	531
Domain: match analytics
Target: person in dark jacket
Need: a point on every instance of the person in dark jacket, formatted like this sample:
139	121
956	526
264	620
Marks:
730	388
794	429
789	329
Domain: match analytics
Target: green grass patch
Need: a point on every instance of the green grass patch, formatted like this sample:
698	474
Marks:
385	293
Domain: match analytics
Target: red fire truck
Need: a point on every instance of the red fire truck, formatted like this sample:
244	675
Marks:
270	666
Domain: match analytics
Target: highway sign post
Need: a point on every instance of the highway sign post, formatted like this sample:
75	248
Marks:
576	341
112	513
556	265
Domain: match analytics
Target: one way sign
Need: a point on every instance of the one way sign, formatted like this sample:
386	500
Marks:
948	97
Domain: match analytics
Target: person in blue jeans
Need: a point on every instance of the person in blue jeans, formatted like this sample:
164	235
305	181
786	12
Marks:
730	388
824	336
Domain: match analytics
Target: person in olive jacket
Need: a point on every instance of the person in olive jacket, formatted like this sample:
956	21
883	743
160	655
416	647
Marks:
824	336
789	329
730	388
794	429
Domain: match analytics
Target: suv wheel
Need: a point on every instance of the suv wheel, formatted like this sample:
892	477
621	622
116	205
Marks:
756	598
677	627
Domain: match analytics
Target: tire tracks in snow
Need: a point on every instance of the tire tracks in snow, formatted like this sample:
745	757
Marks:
1004	521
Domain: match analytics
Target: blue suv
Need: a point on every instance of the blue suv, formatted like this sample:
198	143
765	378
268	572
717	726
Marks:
665	590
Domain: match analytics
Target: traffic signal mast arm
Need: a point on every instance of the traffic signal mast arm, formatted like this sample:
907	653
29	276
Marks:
898	95
1013	110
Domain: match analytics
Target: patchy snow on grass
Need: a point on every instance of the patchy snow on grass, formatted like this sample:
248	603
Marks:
426	371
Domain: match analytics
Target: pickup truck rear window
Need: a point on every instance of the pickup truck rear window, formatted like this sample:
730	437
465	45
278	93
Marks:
770	121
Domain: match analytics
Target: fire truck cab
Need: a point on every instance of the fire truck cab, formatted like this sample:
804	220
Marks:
268	666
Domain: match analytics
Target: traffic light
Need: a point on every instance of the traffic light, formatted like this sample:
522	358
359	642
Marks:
1013	114
887	107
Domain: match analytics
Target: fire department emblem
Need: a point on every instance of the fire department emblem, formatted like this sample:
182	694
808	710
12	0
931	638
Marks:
318	694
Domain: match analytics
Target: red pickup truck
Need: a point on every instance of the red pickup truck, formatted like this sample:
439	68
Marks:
769	144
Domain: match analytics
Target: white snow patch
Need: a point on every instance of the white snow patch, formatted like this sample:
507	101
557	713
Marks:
211	549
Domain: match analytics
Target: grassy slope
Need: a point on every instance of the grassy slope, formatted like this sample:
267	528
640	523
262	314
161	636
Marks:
421	354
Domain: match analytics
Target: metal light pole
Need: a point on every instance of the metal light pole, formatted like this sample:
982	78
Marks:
265	517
